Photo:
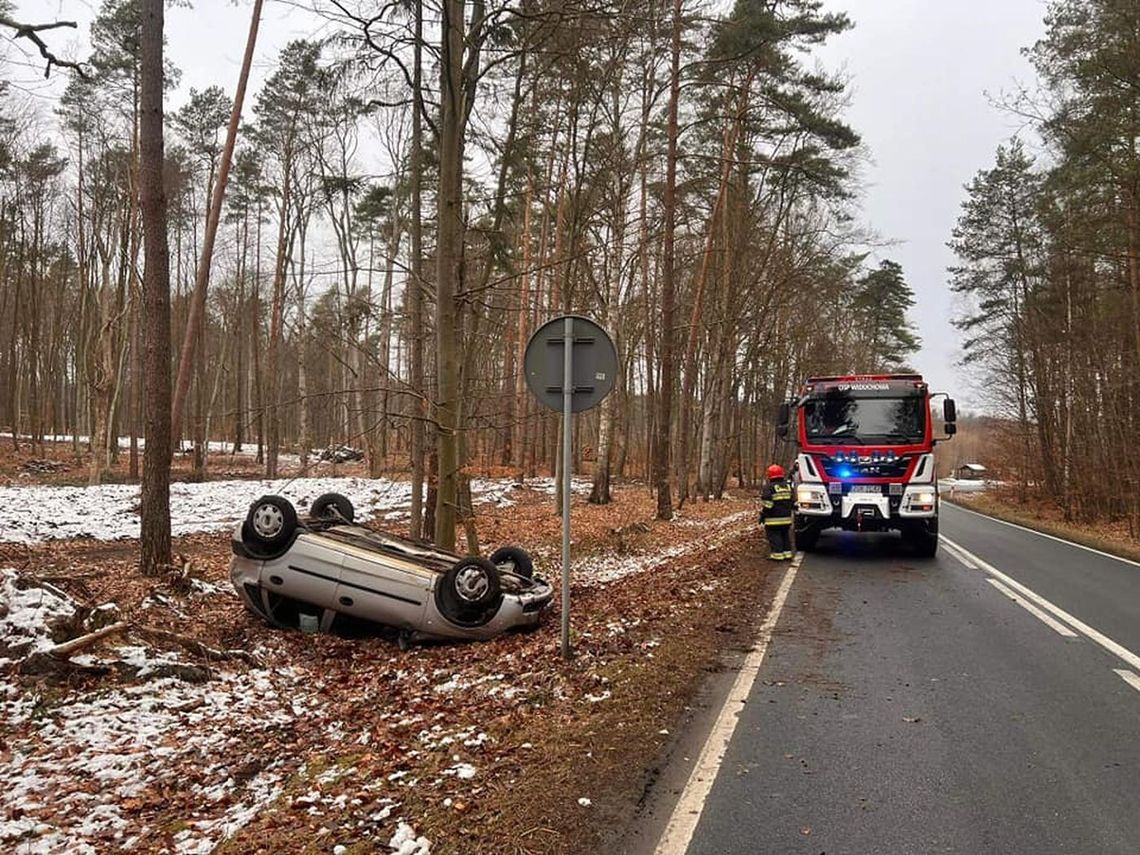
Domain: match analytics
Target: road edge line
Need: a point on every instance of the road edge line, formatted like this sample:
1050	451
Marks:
690	805
1073	543
1050	622
1128	677
1100	638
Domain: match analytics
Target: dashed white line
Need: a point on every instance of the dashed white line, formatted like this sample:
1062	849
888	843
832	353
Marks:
687	813
1128	677
1055	625
1100	638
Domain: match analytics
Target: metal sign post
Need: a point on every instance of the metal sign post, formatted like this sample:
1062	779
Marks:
586	355
567	472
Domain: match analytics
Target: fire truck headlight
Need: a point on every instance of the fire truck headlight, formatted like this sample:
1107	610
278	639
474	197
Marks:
811	497
920	499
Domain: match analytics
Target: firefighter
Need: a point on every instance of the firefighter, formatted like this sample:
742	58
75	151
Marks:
776	514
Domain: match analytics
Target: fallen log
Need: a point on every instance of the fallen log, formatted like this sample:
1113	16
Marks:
56	660
197	647
68	648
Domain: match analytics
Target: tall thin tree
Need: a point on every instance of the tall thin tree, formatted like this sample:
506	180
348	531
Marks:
668	274
154	544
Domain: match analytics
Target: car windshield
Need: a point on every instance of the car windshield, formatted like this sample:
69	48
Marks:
840	418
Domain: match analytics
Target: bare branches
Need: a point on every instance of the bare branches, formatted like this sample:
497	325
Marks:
31	32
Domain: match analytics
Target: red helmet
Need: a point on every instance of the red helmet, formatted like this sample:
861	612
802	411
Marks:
775	471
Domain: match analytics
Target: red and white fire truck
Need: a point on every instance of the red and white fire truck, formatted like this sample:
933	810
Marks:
865	457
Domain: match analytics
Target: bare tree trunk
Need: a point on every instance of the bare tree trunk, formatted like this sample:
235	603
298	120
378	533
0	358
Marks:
449	251
272	390
731	132
155	550
202	282
665	393
415	288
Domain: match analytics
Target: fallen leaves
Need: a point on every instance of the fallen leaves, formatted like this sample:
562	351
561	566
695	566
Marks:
347	740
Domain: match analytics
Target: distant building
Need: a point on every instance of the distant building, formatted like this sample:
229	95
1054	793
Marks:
970	472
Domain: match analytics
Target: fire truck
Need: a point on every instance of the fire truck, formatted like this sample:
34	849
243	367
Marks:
865	457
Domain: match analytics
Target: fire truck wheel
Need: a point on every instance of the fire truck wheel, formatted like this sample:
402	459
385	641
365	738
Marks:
924	539
807	537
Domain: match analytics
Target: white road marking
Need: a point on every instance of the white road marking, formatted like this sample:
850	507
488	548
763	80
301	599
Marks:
1128	677
686	814
1103	640
958	555
1049	536
1055	625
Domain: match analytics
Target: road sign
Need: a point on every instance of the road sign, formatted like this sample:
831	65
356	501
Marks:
570	365
593	364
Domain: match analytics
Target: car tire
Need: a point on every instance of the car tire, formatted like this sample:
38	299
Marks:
518	558
270	524
333	507
470	592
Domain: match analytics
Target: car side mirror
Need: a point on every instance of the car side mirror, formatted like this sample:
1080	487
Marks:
950	428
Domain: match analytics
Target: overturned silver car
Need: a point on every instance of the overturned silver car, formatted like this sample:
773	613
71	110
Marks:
313	572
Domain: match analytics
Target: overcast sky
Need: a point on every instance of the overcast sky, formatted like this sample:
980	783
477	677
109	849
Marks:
920	73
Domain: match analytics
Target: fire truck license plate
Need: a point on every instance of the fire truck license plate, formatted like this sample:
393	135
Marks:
867	488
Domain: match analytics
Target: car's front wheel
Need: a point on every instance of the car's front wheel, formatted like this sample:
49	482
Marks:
514	559
469	592
270	523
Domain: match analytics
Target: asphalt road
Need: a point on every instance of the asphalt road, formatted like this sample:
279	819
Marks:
911	706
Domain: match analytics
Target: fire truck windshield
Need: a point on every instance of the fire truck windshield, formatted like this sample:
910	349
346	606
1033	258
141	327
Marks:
840	417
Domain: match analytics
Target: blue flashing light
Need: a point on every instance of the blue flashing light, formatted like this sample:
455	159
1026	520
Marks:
843	472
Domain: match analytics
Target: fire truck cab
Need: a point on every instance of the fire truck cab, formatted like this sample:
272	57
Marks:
865	457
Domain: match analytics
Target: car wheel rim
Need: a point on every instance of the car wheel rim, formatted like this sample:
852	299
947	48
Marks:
471	584
268	521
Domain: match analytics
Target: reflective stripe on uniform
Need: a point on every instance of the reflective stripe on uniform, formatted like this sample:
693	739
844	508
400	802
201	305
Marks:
777	521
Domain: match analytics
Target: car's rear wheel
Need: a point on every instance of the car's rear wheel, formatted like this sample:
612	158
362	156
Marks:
513	559
270	523
470	592
333	506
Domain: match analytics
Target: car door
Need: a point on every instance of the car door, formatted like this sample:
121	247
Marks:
383	588
309	572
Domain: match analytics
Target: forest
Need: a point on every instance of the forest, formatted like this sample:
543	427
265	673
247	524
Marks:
280	563
686	178
1048	248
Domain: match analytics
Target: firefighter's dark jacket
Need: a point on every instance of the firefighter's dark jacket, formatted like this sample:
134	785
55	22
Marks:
776	503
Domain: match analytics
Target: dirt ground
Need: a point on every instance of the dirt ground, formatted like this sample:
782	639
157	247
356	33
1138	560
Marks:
348	744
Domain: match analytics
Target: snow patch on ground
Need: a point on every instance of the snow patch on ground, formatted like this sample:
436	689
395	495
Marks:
84	758
76	766
606	567
463	771
27	615
405	842
34	514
